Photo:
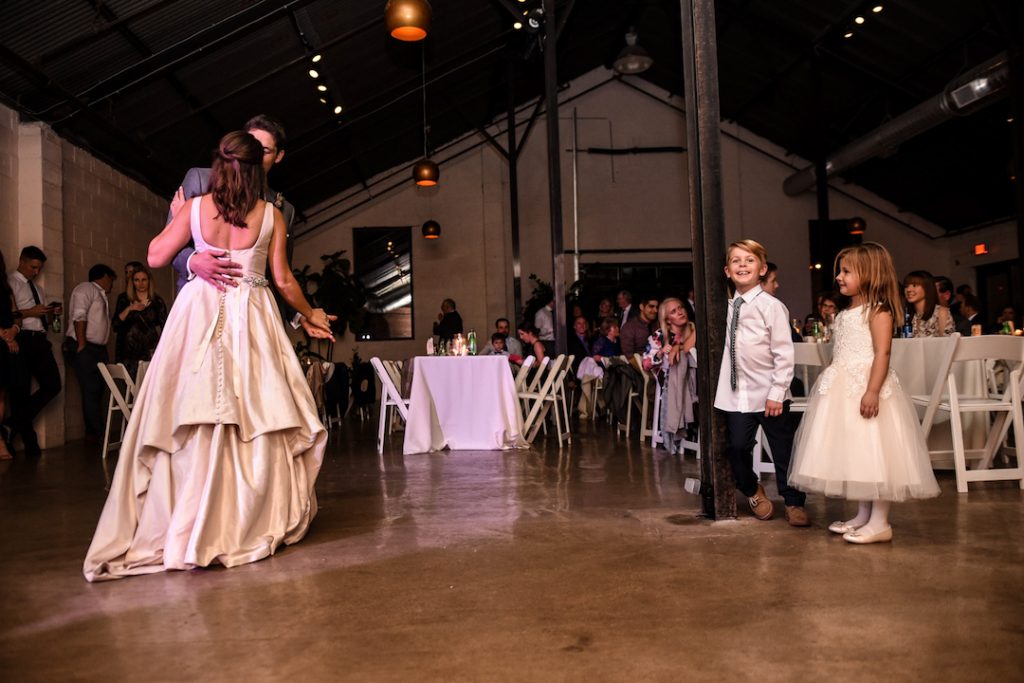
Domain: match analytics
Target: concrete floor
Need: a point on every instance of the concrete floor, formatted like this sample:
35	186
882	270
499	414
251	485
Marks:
588	565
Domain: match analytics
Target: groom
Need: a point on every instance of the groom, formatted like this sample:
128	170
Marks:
209	265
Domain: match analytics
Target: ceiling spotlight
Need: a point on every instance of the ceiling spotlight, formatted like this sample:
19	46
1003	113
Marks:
848	34
316	58
337	109
859	20
876	9
534	19
518	25
313	73
322	87
408	20
633	59
323	100
431	230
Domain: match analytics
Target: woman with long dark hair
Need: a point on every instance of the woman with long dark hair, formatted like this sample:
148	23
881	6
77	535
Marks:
224	445
929	318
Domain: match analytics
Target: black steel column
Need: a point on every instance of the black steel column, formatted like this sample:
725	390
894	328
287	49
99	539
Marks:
513	193
554	172
707	226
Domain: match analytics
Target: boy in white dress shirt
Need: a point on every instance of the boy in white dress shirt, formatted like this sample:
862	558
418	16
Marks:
753	386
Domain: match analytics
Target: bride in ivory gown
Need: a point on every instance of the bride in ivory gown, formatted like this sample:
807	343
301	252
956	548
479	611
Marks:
224	445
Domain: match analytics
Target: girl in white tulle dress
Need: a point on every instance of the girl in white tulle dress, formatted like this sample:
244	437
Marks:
860	438
219	460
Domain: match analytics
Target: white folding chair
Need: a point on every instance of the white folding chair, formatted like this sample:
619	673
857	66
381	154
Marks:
537	403
648	424
390	400
116	374
562	423
1006	406
523	373
532	383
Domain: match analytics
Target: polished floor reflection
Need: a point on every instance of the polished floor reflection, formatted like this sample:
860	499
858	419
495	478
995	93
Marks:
586	564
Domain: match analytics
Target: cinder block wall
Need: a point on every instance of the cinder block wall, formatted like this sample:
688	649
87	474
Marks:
107	218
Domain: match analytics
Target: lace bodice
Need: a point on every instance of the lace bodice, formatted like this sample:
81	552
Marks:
853	352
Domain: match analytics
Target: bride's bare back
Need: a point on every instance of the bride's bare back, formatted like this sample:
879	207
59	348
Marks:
222	235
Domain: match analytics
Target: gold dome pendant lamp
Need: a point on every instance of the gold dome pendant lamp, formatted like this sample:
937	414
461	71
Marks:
425	172
408	20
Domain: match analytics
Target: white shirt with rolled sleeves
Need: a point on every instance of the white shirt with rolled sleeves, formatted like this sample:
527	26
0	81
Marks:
89	303
764	355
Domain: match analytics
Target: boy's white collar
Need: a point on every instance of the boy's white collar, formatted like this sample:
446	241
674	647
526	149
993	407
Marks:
751	293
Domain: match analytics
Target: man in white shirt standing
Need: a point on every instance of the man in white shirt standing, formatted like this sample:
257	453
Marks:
86	344
753	385
36	352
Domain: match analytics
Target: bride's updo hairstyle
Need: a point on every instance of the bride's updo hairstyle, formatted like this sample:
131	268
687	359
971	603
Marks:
237	176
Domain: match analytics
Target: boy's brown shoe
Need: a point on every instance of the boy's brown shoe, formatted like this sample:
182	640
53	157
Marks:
797	516
760	505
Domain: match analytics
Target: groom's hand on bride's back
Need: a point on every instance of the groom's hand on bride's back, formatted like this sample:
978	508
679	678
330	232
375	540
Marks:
216	268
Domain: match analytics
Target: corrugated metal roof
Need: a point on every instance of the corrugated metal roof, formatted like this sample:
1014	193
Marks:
163	79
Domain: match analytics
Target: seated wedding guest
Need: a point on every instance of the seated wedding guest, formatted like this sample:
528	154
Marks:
583	366
496	347
1007	315
606	344
579	341
827	306
970	307
532	345
624	302
634	334
512	345
770	280
138	320
946	297
605	309
959	298
930	319
449	322
669	354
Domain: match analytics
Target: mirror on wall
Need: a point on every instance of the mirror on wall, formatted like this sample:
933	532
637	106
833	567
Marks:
383	263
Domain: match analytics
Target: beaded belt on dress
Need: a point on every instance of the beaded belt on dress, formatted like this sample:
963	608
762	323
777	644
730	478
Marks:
256	281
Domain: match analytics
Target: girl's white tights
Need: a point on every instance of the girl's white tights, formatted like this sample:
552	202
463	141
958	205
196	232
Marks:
873	516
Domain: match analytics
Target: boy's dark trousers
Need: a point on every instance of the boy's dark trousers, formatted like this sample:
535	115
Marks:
739	449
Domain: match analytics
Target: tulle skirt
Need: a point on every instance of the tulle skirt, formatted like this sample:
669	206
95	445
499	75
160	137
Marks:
843	455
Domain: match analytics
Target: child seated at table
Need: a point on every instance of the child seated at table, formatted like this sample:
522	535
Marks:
497	346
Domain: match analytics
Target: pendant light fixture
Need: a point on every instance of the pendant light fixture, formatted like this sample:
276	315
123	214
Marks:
431	230
633	59
856	226
425	173
408	20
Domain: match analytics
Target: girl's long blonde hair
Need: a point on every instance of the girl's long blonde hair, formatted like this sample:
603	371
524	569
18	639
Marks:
879	286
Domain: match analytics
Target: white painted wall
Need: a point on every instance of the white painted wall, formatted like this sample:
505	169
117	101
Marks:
636	201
